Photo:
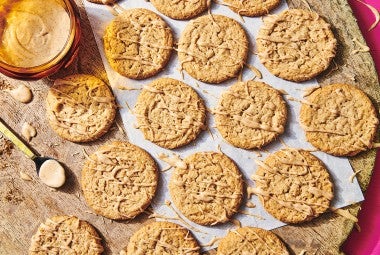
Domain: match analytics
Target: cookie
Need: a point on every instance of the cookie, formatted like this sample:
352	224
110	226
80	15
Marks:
339	119
119	180
213	48
66	235
250	240
252	8
250	114
138	43
181	9
296	45
80	108
162	238
170	113
293	185
209	190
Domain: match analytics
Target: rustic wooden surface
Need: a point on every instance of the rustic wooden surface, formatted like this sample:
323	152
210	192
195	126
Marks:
25	204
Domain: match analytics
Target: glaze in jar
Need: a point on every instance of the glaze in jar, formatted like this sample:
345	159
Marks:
37	37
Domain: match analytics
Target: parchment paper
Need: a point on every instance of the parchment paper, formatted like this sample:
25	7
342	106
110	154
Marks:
345	192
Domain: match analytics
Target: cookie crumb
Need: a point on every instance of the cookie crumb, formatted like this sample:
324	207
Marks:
252	215
362	47
28	131
345	213
351	179
174	161
22	94
25	176
236	222
212	241
249	204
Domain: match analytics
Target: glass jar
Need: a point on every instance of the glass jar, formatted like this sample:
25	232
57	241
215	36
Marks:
37	37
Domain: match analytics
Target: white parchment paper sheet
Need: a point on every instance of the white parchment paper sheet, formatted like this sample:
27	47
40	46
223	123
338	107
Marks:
345	192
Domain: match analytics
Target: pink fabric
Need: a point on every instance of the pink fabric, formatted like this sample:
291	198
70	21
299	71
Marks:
367	242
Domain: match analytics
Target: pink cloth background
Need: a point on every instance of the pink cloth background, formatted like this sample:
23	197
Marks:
367	242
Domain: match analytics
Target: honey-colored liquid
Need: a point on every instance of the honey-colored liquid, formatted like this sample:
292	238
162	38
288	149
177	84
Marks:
32	32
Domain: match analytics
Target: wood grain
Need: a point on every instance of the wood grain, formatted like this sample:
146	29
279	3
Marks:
25	204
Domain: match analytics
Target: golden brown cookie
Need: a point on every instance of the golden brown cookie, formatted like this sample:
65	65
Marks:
339	119
181	9
119	180
162	238
213	48
66	235
138	43
249	240
252	8
293	185
251	114
80	108
170	113
209	189
296	45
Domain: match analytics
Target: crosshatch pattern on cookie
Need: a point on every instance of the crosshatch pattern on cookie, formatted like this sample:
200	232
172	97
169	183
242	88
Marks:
66	235
138	43
250	240
162	238
293	185
250	114
80	108
339	119
119	180
213	48
170	113
296	44
181	9
209	189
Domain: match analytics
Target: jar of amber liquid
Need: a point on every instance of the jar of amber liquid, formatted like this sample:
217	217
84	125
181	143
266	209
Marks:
37	37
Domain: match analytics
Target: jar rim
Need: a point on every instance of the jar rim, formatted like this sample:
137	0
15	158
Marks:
73	13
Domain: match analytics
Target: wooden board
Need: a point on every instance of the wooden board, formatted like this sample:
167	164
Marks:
25	204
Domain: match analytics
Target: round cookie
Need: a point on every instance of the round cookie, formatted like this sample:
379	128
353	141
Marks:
213	48
170	113
250	240
138	43
339	119
65	235
119	180
293	185
162	238
296	45
181	9
209	190
251	114
80	108
252	8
